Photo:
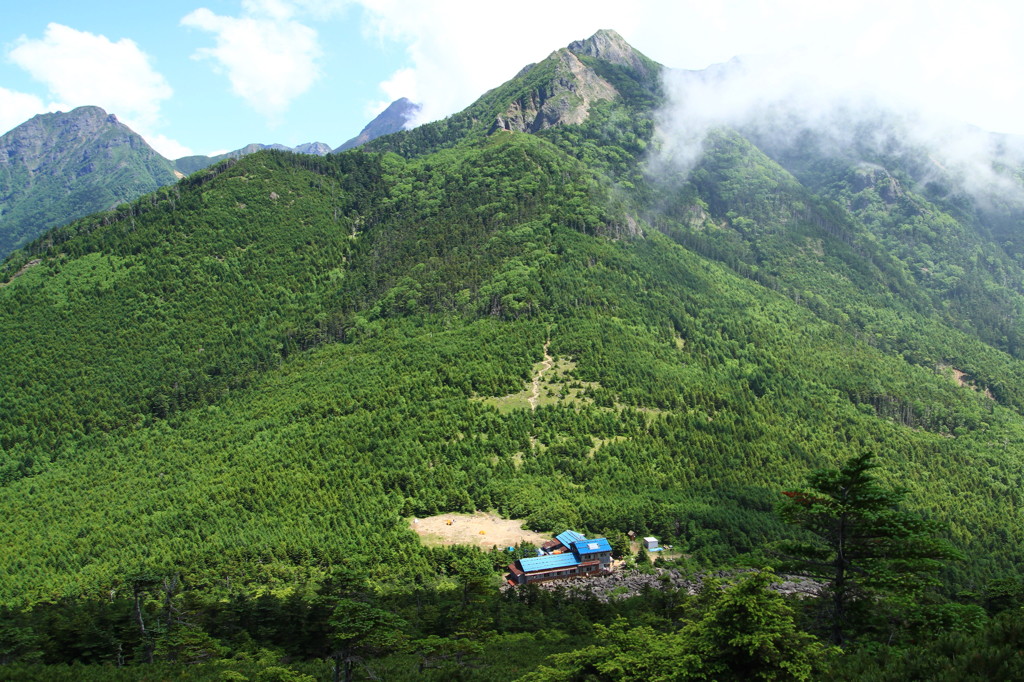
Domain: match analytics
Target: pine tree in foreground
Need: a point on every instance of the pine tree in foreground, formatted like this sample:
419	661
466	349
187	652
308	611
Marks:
863	544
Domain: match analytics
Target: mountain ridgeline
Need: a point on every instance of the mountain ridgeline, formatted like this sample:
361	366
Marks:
221	402
393	119
58	167
190	164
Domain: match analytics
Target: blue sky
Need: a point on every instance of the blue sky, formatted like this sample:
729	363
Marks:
193	102
202	76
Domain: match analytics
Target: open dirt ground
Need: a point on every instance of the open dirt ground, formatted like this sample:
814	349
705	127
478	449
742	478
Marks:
466	530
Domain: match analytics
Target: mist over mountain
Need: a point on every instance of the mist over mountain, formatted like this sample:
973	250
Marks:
607	297
943	198
782	99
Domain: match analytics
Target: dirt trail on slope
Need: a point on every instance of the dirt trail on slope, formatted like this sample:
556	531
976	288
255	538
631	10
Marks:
546	365
25	267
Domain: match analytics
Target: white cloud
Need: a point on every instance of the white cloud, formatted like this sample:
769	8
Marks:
81	68
269	58
286	9
324	9
17	107
941	55
401	84
279	10
168	148
931	72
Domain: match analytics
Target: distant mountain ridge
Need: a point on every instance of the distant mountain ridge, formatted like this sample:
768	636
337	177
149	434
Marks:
61	166
190	164
392	120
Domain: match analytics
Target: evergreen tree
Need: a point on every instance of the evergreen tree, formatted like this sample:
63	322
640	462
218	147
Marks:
863	543
359	629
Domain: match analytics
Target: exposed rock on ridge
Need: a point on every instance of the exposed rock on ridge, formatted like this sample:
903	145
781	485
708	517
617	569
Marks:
566	99
611	47
314	148
626	584
35	141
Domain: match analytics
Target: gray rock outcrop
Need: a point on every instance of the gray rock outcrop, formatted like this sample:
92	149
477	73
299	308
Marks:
566	99
623	584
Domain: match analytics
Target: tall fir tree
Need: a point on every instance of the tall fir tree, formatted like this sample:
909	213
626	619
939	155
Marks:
863	543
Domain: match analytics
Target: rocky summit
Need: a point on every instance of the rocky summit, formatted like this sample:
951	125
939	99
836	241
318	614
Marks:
61	166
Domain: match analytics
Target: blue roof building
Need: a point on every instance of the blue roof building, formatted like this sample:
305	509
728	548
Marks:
590	547
547	563
575	555
569	537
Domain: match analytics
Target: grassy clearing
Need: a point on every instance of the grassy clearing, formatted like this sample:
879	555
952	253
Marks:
552	383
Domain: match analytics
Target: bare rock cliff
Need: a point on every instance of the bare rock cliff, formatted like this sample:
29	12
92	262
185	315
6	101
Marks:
566	99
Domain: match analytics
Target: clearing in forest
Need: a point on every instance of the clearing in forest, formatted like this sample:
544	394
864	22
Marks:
962	380
551	384
465	529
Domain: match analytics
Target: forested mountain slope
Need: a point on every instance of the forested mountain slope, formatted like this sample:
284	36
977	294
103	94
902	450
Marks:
220	403
953	223
58	167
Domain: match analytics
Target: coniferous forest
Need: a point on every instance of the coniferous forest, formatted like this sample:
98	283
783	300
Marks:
221	404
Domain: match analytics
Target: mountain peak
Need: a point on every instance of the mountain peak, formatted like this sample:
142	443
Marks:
86	111
609	46
564	99
391	120
86	117
314	148
605	39
59	132
69	164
